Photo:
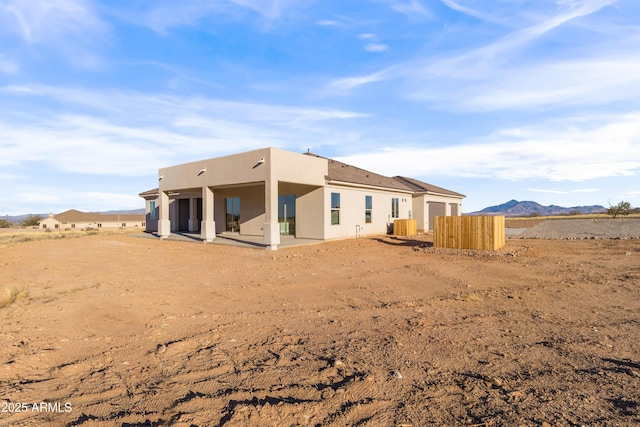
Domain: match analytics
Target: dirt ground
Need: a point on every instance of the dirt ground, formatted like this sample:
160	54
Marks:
121	330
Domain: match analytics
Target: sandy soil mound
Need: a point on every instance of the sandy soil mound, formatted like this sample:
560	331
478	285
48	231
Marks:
118	330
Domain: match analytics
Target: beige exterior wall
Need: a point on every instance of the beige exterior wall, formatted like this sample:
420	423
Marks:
421	213
426	206
251	209
309	209
50	224
246	168
258	177
352	210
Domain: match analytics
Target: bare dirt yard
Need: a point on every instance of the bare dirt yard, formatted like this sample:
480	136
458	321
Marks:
119	330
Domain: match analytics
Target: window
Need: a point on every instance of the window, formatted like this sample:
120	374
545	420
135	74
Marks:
335	208
124	224
395	207
152	209
368	203
99	225
73	226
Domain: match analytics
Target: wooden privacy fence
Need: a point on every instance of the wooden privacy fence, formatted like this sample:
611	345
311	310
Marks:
405	227
469	232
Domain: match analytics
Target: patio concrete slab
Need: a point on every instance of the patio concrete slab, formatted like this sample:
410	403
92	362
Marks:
234	239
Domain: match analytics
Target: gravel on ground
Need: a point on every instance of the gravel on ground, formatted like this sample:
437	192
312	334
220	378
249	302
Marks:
618	228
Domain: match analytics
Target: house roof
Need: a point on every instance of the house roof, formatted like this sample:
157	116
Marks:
344	172
150	193
423	187
74	215
339	171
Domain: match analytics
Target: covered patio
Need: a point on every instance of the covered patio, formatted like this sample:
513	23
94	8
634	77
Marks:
251	194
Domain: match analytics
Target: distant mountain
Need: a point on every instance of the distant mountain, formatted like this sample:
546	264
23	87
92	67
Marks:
526	208
18	219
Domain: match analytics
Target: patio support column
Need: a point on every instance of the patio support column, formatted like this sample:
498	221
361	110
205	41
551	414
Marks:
208	225
271	226
193	215
164	225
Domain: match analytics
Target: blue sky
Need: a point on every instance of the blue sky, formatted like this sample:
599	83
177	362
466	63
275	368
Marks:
496	99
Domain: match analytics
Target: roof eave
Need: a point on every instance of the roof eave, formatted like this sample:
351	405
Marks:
358	185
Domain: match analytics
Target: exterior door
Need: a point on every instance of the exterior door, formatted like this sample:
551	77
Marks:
233	214
287	214
183	214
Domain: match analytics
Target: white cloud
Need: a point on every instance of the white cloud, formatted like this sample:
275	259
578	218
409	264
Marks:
111	132
550	151
59	200
71	27
43	198
496	76
411	8
347	84
376	47
583	82
367	36
15	89
269	8
472	12
328	23
164	16
480	62
586	190
108	200
40	20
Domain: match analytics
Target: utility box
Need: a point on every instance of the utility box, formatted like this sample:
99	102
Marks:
405	227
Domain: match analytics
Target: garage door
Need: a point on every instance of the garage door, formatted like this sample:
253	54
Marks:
435	209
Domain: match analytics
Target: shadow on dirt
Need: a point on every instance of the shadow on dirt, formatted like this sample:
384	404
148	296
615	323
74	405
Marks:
402	242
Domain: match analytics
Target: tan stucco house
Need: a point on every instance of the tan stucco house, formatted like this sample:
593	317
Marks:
271	193
74	219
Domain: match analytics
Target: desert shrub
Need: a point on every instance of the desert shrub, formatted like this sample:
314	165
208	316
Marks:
4	223
32	220
8	296
622	208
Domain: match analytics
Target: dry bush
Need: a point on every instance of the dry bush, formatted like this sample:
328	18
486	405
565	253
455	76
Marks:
8	296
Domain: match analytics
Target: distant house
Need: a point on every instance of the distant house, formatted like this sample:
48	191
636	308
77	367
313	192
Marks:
81	220
272	193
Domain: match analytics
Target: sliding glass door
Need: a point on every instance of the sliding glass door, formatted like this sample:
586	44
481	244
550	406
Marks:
287	214
233	214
